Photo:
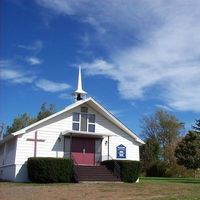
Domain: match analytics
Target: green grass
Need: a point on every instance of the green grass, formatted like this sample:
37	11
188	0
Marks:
164	180
149	188
188	188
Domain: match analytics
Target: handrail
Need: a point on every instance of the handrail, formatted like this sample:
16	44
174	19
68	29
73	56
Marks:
74	168
67	154
116	170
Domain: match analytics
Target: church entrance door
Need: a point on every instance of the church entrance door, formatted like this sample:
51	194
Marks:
83	150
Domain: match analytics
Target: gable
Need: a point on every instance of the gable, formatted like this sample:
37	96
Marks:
67	113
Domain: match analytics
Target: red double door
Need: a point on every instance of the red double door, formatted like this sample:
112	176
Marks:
83	150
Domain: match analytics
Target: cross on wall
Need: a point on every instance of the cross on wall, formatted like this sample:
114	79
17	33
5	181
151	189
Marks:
35	140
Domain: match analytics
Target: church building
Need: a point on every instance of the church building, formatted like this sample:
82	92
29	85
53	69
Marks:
84	131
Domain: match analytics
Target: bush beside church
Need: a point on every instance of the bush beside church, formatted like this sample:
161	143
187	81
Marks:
50	170
129	170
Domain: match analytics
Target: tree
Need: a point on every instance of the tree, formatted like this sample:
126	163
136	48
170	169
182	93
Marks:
25	119
149	153
196	127
187	151
20	122
45	111
165	129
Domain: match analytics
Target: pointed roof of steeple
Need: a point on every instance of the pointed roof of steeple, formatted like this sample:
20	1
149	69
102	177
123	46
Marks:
79	89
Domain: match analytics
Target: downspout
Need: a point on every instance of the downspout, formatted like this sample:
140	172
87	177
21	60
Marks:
108	147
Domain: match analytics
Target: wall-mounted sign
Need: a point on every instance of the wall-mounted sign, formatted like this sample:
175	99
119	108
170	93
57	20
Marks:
121	151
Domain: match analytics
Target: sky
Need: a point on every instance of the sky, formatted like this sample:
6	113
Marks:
136	56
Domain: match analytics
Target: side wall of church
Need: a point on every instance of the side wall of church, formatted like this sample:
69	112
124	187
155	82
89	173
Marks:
7	160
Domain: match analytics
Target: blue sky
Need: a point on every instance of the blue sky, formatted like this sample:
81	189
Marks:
137	56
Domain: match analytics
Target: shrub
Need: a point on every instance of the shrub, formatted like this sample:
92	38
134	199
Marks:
157	169
49	170
129	170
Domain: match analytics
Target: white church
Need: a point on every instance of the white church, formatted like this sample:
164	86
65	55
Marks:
84	131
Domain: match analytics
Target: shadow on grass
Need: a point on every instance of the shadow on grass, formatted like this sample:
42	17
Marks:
171	180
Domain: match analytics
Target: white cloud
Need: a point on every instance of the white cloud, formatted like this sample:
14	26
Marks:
14	75
153	47
33	60
60	7
36	46
50	86
35	49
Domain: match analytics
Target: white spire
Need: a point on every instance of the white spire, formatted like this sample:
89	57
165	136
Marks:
79	93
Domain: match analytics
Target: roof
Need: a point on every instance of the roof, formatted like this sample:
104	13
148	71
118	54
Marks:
88	134
93	103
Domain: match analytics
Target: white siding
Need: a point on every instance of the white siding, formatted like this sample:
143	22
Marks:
105	126
1	154
10	152
7	160
50	132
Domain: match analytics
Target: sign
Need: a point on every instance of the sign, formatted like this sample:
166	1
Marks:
121	151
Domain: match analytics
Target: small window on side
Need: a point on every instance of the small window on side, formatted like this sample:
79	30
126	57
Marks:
75	126
91	128
76	117
91	118
84	109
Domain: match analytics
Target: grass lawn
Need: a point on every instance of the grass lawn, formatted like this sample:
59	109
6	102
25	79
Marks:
148	188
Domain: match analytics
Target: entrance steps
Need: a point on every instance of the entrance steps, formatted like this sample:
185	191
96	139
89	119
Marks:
95	173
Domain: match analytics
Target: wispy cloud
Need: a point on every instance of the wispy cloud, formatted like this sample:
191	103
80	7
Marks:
50	86
33	60
10	72
152	46
59	7
33	49
15	76
164	107
36	46
13	73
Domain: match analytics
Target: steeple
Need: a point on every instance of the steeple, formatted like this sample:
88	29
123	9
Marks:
79	93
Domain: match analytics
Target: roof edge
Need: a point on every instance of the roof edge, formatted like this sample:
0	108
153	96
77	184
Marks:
78	103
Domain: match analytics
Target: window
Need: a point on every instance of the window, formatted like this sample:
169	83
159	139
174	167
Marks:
75	124
91	118
91	123
91	128
84	109
76	117
83	121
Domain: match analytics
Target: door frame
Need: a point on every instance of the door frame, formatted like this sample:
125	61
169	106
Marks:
70	137
84	138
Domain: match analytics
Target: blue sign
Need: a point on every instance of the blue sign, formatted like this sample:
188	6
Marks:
121	151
